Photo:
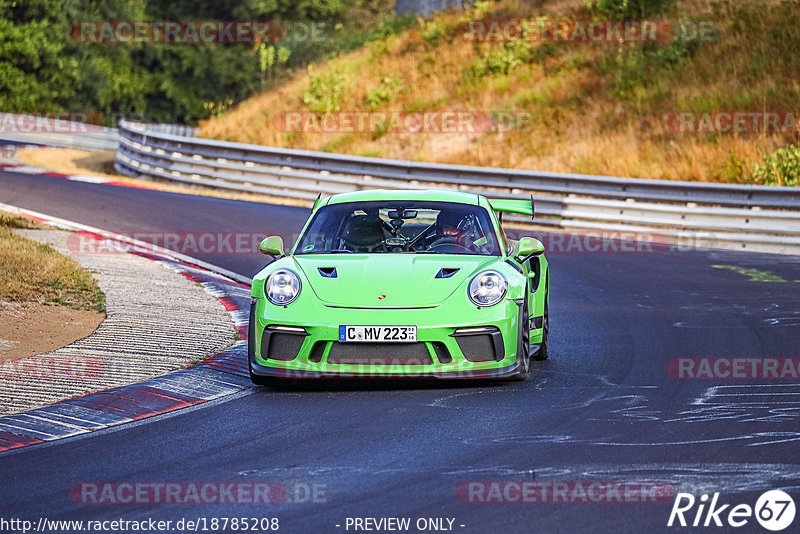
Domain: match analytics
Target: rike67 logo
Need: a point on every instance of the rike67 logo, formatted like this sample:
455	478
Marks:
774	510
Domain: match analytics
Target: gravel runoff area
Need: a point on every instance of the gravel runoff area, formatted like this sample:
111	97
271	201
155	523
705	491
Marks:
156	321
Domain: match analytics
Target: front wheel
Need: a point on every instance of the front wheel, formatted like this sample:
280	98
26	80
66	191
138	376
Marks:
523	343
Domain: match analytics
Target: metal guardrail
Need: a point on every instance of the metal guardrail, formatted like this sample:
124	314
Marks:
165	128
752	217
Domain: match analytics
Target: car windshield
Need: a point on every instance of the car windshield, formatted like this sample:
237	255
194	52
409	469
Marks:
412	227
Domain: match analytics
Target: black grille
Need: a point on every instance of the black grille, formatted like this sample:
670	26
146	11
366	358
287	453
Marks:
317	351
477	348
379	354
279	346
441	352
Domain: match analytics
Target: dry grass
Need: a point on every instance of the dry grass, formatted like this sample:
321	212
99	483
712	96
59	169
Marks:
34	273
72	161
591	115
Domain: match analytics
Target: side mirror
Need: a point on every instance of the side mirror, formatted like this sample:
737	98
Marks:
273	245
527	247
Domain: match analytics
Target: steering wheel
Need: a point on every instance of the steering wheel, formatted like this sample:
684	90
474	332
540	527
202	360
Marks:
448	241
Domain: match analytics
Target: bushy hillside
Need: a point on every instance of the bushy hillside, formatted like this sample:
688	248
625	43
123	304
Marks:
612	106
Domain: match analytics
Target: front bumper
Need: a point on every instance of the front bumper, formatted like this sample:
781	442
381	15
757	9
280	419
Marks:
283	345
300	374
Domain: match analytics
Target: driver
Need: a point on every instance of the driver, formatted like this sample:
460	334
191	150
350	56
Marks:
445	229
447	224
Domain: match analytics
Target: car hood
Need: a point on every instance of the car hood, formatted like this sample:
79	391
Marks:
404	280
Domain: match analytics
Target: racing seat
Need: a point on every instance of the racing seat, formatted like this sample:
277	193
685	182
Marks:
364	233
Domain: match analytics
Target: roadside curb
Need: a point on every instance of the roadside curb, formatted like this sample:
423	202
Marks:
222	374
12	164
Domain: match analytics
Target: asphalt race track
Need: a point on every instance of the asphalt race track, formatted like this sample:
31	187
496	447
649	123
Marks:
603	408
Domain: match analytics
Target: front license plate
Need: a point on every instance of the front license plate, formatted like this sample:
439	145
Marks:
385	334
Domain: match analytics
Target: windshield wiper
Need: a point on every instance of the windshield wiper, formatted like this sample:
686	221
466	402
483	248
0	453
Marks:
332	251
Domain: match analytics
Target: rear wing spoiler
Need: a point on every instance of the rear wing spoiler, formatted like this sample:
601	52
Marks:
523	207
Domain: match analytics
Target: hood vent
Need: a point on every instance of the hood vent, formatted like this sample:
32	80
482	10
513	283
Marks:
327	272
447	272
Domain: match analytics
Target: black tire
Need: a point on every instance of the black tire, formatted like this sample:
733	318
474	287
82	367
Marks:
523	343
543	352
251	344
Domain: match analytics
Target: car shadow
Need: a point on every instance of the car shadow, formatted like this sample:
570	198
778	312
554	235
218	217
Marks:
379	384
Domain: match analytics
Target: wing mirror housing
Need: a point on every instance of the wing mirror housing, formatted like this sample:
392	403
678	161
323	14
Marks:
529	247
272	246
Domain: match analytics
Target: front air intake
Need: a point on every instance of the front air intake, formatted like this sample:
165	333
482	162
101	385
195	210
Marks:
282	343
480	344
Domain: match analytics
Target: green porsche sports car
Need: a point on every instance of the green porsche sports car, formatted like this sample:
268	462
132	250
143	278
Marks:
413	284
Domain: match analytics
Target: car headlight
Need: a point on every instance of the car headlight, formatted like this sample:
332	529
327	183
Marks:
487	288
282	287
